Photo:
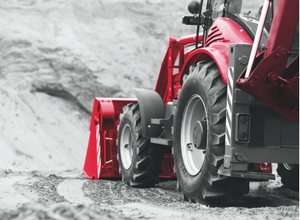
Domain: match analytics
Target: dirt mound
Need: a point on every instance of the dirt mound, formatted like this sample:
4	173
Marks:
56	56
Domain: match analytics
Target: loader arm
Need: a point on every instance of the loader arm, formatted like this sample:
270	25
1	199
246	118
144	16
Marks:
269	73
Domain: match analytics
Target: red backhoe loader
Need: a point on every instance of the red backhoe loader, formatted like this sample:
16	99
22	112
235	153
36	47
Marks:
225	107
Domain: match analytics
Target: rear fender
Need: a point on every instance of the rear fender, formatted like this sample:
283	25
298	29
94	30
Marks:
151	106
217	53
223	33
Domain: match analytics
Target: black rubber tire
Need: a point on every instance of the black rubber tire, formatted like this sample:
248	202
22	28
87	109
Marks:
206	187
289	177
146	157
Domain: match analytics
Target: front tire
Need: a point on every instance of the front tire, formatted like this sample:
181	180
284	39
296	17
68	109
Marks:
139	160
199	139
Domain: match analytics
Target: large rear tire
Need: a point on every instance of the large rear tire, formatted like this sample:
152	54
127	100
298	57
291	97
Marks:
289	174
199	139
139	160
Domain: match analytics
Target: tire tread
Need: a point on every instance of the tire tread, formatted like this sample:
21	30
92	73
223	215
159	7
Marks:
212	188
147	161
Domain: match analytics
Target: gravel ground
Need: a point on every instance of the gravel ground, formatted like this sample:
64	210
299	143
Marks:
68	195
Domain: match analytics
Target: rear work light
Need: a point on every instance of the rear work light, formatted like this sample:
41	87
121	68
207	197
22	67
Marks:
243	128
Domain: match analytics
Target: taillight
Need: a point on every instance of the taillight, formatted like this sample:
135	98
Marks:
264	167
243	128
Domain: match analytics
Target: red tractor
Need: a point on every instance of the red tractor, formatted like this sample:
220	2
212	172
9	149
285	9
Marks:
225	106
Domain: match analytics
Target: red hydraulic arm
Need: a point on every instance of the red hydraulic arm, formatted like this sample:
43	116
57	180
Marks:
270	80
168	83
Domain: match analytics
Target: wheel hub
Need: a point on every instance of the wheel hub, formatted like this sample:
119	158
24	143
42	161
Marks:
193	135
199	135
126	150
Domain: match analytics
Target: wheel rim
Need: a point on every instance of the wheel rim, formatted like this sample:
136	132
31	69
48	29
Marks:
193	115
126	147
288	166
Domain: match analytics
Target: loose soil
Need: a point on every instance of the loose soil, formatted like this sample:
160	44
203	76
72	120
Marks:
69	195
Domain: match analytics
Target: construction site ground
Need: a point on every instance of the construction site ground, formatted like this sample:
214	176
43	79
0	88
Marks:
55	56
69	195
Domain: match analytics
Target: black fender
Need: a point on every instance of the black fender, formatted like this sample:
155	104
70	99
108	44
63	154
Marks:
151	106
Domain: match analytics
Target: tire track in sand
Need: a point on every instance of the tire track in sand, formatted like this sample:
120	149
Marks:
71	190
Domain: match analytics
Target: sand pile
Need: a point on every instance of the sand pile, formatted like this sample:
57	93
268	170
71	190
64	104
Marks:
55	56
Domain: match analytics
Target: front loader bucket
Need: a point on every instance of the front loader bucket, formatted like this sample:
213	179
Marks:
101	155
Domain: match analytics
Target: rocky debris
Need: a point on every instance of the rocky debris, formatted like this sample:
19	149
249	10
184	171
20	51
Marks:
59	211
35	195
46	188
262	198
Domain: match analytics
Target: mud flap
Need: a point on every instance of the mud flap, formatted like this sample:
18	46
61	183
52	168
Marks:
151	106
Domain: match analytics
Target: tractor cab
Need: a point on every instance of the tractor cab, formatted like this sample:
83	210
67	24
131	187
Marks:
245	15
